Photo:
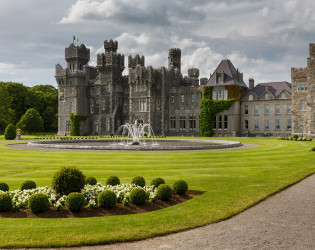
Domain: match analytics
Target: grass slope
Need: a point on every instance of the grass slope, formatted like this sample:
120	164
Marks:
233	180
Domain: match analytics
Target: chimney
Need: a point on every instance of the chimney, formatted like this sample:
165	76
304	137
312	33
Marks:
251	83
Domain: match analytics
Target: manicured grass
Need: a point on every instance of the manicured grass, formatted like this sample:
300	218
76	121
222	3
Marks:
233	180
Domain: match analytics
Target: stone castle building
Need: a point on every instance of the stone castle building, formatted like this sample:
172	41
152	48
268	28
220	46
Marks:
170	102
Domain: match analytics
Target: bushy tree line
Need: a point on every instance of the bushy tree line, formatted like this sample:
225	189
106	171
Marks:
32	109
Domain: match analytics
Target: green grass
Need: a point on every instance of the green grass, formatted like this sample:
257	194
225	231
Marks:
233	180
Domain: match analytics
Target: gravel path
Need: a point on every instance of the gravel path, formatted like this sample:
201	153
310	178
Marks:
283	221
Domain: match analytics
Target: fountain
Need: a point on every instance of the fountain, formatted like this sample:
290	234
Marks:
135	132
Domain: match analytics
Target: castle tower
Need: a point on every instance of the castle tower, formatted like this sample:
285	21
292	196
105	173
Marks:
174	58
77	57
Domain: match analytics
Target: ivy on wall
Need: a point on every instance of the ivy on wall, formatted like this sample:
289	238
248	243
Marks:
209	108
75	123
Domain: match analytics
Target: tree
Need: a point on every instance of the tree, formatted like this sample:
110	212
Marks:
50	119
10	132
31	121
7	115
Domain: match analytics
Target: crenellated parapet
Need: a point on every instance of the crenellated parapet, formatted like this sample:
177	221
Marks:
134	61
174	58
298	73
193	72
73	52
110	46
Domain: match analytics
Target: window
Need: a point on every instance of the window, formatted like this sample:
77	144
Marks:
143	105
283	95
266	109
103	104
277	123
246	109
92	91
289	124
220	121
70	66
172	99
92	107
125	107
289	108
246	124
303	105
192	122
214	95
68	126
220	78
72	91
182	98
182	122
98	90
256	124
214	124
172	122
225	94
266	124
267	96
97	126
192	98
250	97
219	94
107	124
225	122
277	109
301	86
256	110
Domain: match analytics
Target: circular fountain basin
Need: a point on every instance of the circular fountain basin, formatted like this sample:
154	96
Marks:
144	145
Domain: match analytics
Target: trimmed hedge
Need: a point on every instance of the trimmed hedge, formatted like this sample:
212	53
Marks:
68	180
29	184
137	196
5	202
107	199
10	132
180	187
75	202
164	192
91	181
112	180
4	187
157	181
38	203
138	180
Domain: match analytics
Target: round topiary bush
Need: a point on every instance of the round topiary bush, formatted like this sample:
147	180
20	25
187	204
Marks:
4	187
137	196
180	187
75	202
157	182
68	180
112	180
38	203
29	184
5	202
107	199
138	180
10	132
91	181
164	192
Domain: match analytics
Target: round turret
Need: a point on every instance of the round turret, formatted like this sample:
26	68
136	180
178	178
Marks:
174	58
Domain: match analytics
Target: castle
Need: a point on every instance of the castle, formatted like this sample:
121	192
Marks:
170	102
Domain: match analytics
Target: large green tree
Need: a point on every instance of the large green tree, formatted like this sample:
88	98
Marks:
7	115
31	121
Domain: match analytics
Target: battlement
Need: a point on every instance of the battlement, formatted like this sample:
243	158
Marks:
73	51
193	72
110	46
297	73
312	50
110	59
174	58
175	51
134	61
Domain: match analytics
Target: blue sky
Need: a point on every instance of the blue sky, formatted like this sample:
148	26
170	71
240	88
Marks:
263	39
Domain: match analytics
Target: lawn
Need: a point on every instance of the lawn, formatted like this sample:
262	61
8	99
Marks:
233	180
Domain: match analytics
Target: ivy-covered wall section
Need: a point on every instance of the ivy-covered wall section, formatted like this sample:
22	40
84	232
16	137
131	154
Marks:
75	123
209	108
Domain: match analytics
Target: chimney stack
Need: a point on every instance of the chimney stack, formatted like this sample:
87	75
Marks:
251	83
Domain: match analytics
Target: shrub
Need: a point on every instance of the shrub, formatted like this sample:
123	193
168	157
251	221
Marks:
28	185
75	202
38	203
107	199
180	187
138	180
157	181
68	180
91	181
137	196
5	202
31	121
112	180
312	149
10	132
295	137
4	187
164	192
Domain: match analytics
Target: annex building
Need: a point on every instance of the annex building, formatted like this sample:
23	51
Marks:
170	101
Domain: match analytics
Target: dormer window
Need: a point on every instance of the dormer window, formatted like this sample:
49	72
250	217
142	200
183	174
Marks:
250	97
220	77
267	96
283	95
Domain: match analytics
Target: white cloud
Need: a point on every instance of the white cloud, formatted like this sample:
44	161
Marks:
8	68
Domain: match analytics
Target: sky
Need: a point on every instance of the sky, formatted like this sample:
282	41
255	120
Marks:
262	38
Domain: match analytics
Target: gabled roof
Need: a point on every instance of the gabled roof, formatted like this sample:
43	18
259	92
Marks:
274	88
231	75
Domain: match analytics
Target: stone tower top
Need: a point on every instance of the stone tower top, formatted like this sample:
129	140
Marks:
193	72
110	46
174	58
77	52
134	61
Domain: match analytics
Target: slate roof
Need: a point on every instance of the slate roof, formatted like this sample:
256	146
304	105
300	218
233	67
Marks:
230	75
274	88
